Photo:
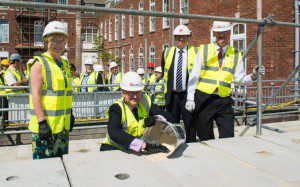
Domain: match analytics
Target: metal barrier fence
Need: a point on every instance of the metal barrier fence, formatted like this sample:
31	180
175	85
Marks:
91	106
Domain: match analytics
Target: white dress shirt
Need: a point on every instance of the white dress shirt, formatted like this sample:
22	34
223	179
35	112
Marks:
239	77
184	67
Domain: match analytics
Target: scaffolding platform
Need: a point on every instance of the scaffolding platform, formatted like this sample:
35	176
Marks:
272	159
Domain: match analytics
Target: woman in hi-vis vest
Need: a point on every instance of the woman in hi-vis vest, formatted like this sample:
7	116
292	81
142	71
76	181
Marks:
51	117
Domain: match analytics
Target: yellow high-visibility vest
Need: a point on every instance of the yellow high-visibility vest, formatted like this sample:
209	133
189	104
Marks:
128	121
17	75
56	94
76	81
117	81
2	83
91	80
159	96
151	79
168	57
213	77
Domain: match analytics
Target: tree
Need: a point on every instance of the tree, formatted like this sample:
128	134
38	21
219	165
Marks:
105	56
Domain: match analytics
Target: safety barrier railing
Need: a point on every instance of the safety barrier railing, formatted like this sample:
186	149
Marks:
92	106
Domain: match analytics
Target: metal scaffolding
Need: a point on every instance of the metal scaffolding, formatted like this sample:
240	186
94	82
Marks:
261	23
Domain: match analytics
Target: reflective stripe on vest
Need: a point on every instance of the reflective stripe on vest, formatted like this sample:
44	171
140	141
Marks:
117	81
17	75
168	57
56	94
213	77
129	124
91	80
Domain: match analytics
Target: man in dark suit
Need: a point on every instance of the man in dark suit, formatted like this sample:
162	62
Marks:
177	62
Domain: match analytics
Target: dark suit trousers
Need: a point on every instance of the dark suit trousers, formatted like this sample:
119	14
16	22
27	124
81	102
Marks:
211	107
176	108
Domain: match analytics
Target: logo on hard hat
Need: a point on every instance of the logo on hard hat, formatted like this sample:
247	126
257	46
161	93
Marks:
180	30
56	27
132	84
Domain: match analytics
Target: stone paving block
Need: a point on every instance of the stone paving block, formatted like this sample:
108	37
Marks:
83	146
290	140
100	169
196	164
271	158
45	172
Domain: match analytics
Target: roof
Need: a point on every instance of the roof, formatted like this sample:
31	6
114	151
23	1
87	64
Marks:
95	1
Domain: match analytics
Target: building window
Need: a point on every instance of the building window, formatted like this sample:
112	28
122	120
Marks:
62	2
141	19
166	8
131	60
109	29
238	38
152	18
165	46
141	57
131	26
123	59
116	27
184	8
105	26
116	54
89	5
123	26
89	32
38	32
4	31
152	54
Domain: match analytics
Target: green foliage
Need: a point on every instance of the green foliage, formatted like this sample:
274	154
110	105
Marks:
105	56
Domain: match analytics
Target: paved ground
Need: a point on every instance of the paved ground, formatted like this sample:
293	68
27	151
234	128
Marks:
272	159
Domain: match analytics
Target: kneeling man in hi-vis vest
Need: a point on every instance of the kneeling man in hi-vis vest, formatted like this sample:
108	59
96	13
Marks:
216	66
129	116
50	98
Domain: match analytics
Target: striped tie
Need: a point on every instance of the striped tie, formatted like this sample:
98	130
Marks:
179	73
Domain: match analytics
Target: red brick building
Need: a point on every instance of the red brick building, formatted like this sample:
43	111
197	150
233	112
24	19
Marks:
145	41
22	28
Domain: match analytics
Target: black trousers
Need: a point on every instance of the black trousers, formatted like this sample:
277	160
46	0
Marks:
3	105
176	108
107	147
211	107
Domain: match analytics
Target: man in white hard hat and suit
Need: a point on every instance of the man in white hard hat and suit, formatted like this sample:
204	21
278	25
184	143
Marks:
216	66
114	76
177	62
129	116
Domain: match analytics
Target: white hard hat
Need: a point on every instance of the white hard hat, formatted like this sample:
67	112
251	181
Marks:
181	30
98	67
88	61
55	27
140	71
30	60
131	81
112	65
221	26
158	69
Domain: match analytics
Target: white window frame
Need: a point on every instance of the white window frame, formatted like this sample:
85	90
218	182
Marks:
123	59
38	33
62	2
105	27
239	37
152	18
4	28
182	8
123	26
131	60
101	29
152	53
90	29
109	30
89	5
141	57
141	19
166	8
131	24
116	27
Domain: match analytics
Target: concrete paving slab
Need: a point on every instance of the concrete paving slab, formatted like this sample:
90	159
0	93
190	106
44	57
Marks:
197	164
274	159
290	139
46	172
84	146
101	169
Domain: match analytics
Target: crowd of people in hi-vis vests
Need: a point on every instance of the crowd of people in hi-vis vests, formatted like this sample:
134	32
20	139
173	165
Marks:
193	83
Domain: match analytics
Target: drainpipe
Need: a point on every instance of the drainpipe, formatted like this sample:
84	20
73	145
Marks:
296	2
